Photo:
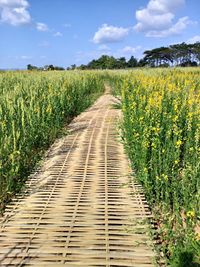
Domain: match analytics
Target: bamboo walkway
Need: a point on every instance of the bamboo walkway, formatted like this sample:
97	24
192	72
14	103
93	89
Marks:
81	208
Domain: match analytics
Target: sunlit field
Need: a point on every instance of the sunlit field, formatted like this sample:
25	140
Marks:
161	132
33	109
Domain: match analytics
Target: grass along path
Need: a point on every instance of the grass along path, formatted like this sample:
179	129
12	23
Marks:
81	208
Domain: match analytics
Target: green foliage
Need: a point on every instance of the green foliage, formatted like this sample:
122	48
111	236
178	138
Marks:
109	62
183	55
178	54
46	67
162	130
33	108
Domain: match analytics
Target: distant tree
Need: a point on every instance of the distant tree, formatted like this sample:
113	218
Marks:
104	62
51	67
142	62
196	52
58	68
178	54
73	67
132	63
31	67
122	63
174	55
46	67
82	67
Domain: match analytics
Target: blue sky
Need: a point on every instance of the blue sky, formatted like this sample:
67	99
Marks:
64	32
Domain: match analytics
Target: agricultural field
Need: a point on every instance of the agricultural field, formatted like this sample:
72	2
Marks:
160	129
100	133
33	109
162	134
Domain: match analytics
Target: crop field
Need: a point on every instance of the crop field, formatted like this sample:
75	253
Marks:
33	108
160	130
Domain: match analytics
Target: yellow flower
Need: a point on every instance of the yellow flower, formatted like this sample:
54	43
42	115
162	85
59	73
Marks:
190	214
175	118
153	145
190	114
156	129
179	143
165	177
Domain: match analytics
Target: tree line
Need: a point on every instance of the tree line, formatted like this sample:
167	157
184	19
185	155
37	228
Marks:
182	55
174	55
46	67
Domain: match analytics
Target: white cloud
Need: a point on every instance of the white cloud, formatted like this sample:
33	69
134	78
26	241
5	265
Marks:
14	12
164	6
128	51
58	34
147	21
110	34
194	39
13	3
42	27
175	29
157	19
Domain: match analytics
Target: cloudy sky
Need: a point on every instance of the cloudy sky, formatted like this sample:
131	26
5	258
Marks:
64	32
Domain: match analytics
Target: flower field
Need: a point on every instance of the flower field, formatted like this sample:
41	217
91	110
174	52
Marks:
33	109
162	131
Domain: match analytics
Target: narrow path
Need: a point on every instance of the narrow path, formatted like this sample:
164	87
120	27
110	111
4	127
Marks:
81	208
